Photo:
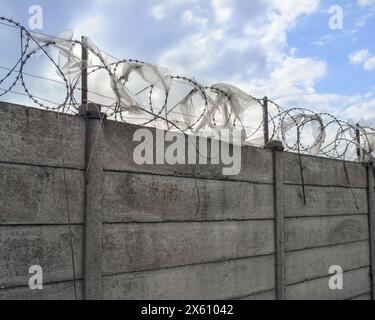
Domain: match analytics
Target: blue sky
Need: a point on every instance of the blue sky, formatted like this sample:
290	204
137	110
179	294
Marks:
282	49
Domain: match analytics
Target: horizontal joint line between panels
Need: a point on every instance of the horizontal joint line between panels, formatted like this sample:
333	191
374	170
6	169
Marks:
360	295
186	221
326	276
188	265
40	166
327	216
28	225
325	186
187	177
271	290
5	288
328	245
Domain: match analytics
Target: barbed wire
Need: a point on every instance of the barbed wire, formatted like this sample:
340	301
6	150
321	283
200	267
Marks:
136	91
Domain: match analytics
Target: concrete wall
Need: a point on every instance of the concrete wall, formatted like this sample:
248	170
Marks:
329	230
181	232
35	195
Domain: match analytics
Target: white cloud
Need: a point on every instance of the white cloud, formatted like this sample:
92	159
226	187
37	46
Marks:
299	72
280	18
362	112
364	58
223	10
162	8
158	12
264	42
189	18
370	64
364	3
323	41
359	56
194	53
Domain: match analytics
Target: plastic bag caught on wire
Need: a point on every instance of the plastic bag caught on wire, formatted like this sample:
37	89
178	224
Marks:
152	74
319	133
196	117
234	102
298	121
126	100
187	108
370	142
238	101
67	62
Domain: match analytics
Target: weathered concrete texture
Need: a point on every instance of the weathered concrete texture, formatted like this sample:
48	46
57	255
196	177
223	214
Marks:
171	232
315	263
268	295
148	198
323	201
93	225
37	195
356	283
133	247
49	247
119	144
55	291
323	172
225	280
304	233
34	136
279	194
371	222
363	297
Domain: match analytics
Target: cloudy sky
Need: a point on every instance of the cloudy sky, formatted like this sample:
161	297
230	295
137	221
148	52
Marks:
283	49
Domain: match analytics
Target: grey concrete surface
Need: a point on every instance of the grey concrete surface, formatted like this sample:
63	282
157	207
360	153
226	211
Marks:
38	195
304	233
357	283
223	280
148	198
133	247
46	246
162	239
39	137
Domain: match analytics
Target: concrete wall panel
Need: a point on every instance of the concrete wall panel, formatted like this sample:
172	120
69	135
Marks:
356	283
40	195
49	247
133	247
304	233
323	172
315	263
224	280
324	201
34	136
147	198
55	291
256	163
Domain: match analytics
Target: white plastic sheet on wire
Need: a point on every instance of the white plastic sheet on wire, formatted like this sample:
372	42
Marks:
200	113
297	123
67	61
229	106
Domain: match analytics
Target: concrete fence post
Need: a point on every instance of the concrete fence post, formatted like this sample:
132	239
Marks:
265	121
92	255
278	174
370	197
